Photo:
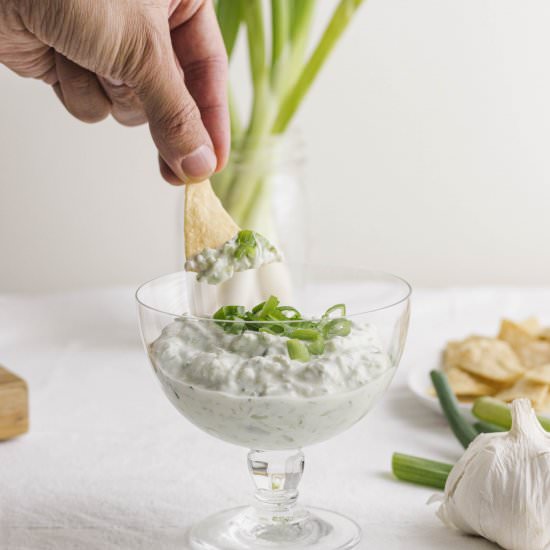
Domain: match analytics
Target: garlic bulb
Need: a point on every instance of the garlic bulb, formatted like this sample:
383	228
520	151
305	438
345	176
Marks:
500	488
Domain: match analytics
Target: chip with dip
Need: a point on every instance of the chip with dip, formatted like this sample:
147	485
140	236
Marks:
215	246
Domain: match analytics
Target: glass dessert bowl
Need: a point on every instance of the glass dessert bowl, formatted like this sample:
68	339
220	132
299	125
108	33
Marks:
274	380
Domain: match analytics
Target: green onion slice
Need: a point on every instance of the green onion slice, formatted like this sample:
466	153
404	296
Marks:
234	316
297	350
305	334
246	244
294	314
339	310
272	329
276	315
229	312
246	237
337	327
317	346
268	307
258	308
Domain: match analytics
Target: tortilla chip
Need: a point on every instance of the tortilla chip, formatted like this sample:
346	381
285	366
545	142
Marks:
465	384
453	351
488	358
539	374
467	399
531	351
207	224
532	326
544	334
534	391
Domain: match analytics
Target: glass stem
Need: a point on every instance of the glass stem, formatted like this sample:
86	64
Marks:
276	475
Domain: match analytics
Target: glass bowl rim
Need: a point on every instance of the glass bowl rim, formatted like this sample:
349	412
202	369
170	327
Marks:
407	294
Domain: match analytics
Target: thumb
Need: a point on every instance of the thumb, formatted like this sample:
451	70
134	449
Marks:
175	121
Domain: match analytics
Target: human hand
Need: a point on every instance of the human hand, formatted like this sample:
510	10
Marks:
129	58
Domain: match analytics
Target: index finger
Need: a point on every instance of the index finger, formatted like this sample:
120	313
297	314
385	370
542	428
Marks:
200	50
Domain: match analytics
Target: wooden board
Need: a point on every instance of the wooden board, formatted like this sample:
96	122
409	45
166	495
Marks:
14	405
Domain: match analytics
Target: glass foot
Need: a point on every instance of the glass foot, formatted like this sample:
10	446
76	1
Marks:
239	529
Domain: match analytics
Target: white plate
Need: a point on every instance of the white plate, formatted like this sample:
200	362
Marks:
419	383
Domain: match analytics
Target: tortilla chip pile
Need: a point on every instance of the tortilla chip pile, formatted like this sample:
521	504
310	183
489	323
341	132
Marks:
514	364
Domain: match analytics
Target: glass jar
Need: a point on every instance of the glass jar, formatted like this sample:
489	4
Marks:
263	189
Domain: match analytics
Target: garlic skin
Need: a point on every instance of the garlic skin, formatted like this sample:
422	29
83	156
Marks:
500	488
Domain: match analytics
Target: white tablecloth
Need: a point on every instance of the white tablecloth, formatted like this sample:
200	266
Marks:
109	464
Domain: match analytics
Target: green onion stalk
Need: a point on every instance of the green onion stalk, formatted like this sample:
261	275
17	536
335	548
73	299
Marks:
421	471
282	73
491	411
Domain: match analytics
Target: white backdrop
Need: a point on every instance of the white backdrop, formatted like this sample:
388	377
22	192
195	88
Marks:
428	140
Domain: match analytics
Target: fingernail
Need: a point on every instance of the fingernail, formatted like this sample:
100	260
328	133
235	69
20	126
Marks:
199	164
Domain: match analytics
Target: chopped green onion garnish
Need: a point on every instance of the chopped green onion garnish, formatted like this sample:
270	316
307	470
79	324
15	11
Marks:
272	329
337	310
233	314
276	315
295	314
246	244
305	336
257	309
228	312
317	346
337	327
246	236
297	350
269	306
234	327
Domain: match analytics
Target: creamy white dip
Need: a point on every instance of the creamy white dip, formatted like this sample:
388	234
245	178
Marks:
216	265
245	389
